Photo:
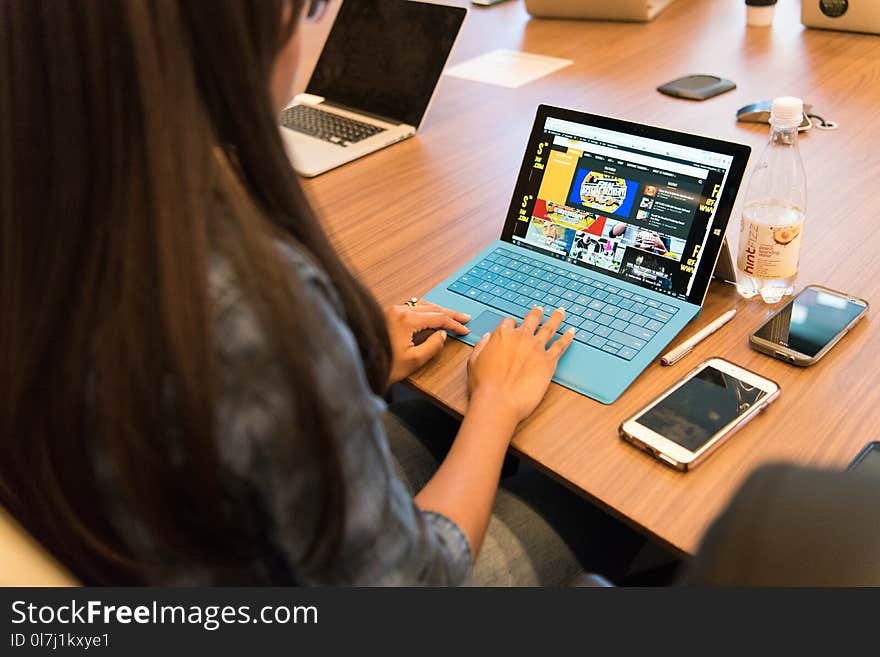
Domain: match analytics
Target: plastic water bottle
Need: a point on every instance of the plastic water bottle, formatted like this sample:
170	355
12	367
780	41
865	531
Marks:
772	224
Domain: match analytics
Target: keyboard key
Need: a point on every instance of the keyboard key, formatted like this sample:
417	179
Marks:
569	295
582	299
485	297
639	320
596	305
599	294
459	287
510	308
654	325
619	325
610	309
651	303
612	347
605	320
509	296
543	286
523	300
668	309
626	304
597	341
483	264
551	300
626	353
613	299
571	320
611	289
628	340
577	309
625	315
588	325
638	308
497	291
638	298
626	294
639	332
592	314
513	286
603	331
657	314
473	293
485	286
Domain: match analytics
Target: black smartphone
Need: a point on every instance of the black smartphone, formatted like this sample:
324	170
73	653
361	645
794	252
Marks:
806	328
868	460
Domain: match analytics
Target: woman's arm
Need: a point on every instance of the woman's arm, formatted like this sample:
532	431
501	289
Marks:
508	374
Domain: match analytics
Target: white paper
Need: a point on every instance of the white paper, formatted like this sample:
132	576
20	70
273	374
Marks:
507	68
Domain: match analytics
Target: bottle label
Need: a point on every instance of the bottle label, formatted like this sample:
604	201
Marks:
767	251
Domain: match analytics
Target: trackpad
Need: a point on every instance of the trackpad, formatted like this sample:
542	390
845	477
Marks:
487	322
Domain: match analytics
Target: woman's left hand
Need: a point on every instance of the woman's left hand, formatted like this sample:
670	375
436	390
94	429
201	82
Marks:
405	323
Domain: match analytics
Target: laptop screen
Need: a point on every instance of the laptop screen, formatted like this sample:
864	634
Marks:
384	57
640	204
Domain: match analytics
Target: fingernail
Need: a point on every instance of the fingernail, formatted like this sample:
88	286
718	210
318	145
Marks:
467	317
540	309
485	335
443	335
571	330
560	310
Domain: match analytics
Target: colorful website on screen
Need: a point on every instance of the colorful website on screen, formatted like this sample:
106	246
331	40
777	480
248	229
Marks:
634	208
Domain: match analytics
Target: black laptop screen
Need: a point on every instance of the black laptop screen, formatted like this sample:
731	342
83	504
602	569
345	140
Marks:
384	57
635	203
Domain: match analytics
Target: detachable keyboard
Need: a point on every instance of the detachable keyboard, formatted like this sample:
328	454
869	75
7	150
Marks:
328	126
604	316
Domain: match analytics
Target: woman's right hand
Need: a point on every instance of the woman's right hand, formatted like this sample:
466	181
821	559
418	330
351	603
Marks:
512	366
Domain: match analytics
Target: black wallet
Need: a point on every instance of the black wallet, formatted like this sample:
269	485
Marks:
697	87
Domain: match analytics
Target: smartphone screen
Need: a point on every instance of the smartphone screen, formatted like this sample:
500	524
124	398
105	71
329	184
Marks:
698	409
810	321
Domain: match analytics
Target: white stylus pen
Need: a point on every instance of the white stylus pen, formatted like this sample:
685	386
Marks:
688	345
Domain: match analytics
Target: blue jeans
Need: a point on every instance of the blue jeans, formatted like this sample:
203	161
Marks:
540	534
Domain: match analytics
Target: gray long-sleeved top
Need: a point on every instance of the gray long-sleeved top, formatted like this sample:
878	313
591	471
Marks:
387	539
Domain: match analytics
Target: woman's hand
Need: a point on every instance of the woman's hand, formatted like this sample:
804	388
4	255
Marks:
513	365
408	351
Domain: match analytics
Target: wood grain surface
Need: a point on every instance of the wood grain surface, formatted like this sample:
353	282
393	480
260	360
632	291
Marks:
407	216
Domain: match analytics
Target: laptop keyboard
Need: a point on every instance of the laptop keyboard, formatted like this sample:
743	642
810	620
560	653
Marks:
604	316
330	127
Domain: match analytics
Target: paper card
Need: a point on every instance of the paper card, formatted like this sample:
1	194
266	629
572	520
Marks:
507	68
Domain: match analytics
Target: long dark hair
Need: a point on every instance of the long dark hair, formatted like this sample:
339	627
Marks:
123	126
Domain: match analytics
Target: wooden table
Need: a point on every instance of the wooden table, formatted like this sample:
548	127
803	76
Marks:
408	216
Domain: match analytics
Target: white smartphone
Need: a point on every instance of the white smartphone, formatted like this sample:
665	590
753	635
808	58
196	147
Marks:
698	414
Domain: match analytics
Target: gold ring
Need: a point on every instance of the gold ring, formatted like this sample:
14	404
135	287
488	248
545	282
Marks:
413	302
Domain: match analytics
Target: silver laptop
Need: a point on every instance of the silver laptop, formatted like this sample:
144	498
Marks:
606	10
373	82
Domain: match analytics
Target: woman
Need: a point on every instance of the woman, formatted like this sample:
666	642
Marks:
191	378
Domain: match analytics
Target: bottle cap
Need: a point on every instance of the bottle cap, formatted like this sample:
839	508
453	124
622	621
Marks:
788	112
